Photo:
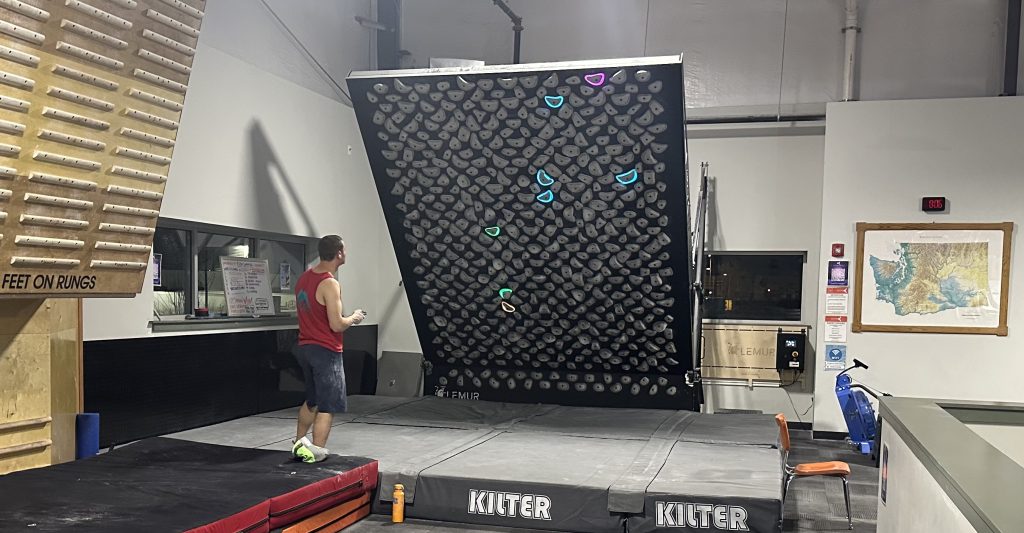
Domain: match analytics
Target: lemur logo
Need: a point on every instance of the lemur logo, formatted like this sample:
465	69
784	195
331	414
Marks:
441	392
509	504
701	516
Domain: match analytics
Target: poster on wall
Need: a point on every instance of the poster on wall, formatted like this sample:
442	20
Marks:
247	286
838	273
932	278
835	329
837	301
835	356
158	260
284	274
884	485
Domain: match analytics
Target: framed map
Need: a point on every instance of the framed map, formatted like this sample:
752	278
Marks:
932	278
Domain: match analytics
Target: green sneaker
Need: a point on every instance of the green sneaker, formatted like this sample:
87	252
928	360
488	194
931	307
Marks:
301	451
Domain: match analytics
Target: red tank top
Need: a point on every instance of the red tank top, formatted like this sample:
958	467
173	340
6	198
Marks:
314	327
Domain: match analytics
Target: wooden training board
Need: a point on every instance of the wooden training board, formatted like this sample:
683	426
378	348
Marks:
91	93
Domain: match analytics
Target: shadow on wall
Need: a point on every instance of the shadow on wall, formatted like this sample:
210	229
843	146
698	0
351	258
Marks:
271	180
712	236
388	311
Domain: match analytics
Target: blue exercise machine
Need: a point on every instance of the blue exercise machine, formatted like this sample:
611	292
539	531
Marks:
861	420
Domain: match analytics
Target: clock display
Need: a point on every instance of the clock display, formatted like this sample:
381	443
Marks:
933	204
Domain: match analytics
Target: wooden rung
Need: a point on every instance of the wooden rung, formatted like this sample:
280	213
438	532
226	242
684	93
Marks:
7	426
28	446
334	519
345	521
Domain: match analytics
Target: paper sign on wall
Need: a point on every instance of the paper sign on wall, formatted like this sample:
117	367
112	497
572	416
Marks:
835	356
837	301
247	286
835	329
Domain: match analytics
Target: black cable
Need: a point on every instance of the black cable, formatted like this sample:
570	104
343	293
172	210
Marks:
799	416
808	407
647	25
782	60
309	55
797	376
872	387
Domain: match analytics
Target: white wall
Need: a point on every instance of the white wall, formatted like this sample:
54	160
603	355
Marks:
264	145
931	49
915	502
734	48
248	31
1008	439
880	159
767	197
396	330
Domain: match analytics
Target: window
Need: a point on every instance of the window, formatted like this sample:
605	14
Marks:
753	286
287	261
190	274
172	269
210	248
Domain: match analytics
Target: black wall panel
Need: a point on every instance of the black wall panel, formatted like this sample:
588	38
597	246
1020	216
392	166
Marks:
157	385
540	220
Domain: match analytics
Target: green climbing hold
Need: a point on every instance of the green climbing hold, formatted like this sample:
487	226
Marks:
493	231
505	293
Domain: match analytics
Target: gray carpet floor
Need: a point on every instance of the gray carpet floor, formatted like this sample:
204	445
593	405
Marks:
814	504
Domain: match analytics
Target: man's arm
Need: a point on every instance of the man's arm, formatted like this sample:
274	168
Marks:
332	300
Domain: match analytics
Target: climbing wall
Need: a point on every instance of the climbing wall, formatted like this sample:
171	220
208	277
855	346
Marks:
90	97
539	217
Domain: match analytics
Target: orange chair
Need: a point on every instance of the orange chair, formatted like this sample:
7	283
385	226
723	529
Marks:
837	469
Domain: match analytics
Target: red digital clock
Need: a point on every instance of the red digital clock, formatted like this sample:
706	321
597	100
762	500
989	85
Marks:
933	204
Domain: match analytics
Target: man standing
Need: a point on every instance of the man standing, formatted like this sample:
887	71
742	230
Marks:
321	327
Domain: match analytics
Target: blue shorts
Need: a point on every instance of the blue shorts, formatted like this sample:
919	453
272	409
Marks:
324	373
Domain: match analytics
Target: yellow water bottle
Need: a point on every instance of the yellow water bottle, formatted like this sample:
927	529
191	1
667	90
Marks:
398	504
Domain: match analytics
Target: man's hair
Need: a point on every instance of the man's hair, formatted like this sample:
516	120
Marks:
329	246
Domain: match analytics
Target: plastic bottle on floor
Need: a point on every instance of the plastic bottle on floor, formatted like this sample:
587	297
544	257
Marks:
398	504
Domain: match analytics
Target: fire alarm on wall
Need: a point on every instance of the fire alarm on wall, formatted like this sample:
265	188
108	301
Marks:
838	250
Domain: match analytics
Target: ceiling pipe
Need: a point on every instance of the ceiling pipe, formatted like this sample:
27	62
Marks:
388	54
372	24
850	29
517	27
1013	16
